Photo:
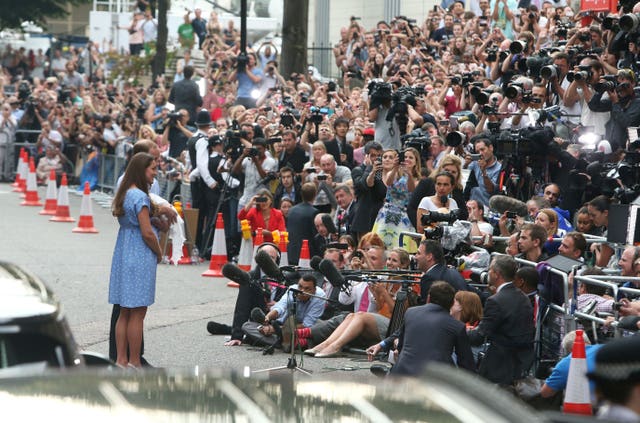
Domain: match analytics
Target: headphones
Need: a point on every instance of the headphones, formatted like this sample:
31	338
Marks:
265	244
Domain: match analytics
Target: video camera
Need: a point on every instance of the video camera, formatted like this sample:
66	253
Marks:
380	93
418	140
241	62
174	117
435	217
317	114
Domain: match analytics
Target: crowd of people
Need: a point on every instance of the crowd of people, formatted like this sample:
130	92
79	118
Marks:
511	118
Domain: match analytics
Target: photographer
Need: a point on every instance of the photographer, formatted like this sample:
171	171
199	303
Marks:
292	155
623	104
177	132
580	91
271	79
527	103
255	165
249	77
484	173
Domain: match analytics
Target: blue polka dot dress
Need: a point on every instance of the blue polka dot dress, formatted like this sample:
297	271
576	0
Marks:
133	268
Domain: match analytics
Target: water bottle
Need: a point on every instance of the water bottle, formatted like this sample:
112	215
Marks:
195	255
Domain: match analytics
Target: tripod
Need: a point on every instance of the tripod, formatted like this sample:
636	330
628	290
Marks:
292	363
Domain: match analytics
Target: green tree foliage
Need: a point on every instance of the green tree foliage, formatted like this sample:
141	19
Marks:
14	12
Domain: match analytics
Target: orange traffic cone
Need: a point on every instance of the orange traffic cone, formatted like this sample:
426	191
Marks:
305	259
218	250
16	183
577	398
51	201
22	171
186	258
284	256
31	197
62	206
257	242
85	224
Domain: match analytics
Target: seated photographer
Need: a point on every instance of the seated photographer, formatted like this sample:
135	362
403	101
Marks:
588	293
484	173
288	187
260	213
479	227
308	311
250	296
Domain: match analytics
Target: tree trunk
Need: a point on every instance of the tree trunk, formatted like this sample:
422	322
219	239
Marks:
294	37
161	44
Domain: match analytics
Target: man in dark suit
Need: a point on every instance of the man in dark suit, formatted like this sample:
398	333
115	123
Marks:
300	224
370	190
292	155
185	94
346	209
507	325
430	259
446	335
338	147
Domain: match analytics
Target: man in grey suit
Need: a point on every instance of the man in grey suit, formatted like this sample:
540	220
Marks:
445	335
507	325
300	224
185	94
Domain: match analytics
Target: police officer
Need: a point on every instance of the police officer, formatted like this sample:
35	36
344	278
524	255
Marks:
202	183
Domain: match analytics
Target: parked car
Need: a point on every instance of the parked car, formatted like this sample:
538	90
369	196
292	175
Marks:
33	330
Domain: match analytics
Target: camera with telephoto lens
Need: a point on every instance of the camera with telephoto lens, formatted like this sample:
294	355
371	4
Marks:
435	217
400	100
610	83
418	140
492	54
583	74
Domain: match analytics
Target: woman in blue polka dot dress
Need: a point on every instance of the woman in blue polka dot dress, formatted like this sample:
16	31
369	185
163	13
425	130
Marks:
137	252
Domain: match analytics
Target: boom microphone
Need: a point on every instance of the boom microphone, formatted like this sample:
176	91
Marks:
331	272
234	273
315	263
268	266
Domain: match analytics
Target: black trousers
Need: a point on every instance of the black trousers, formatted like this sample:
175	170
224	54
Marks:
249	297
206	201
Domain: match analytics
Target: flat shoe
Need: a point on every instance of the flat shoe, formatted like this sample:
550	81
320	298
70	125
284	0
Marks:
310	352
329	355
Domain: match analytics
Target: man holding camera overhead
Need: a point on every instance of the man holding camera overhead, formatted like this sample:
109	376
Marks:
623	104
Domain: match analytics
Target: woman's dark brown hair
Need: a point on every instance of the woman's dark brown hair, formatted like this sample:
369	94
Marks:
134	175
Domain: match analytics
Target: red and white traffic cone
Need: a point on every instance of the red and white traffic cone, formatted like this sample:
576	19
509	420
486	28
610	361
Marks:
85	224
305	259
22	171
16	183
51	201
218	250
31	195
186	258
284	256
62	206
577	398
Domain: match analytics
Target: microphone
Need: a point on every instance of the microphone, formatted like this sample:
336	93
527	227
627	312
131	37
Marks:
331	272
258	316
443	200
268	266
315	263
233	272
